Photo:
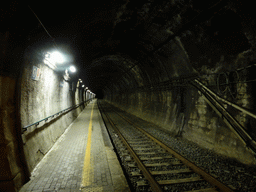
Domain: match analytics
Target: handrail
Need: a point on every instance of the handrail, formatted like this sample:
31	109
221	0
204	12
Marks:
56	114
226	101
229	119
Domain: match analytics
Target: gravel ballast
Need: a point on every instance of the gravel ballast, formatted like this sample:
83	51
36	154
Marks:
229	171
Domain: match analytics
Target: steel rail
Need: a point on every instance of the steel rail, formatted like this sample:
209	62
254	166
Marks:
58	113
213	181
153	183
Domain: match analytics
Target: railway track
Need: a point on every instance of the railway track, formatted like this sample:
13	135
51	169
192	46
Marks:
153	166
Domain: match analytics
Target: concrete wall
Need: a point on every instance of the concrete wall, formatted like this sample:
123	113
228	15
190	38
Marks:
40	99
12	174
20	153
12	167
24	101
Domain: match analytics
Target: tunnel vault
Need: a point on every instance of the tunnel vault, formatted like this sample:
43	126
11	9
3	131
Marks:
170	52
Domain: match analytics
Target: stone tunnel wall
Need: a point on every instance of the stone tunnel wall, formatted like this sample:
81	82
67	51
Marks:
183	112
192	119
40	99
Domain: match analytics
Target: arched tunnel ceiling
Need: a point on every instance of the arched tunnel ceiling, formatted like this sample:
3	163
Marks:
132	43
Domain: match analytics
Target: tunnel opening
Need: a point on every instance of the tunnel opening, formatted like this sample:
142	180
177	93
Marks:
99	94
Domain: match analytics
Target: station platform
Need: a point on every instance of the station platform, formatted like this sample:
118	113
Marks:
81	160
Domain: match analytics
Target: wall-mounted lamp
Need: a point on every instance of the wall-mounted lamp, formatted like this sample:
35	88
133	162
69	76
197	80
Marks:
66	75
82	85
51	59
57	57
72	69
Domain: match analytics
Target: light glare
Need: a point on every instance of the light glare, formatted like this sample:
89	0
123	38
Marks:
56	57
72	69
51	59
51	65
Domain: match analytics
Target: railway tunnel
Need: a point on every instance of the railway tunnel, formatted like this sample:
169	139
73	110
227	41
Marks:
184	68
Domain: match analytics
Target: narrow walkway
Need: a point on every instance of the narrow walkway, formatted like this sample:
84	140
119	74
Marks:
81	160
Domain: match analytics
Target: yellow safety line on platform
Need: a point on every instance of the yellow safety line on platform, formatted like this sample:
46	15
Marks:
87	168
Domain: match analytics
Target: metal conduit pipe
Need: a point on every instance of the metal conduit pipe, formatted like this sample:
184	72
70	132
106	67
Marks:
225	101
228	118
56	114
233	125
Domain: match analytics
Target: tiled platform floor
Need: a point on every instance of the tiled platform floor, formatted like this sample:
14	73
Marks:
80	161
